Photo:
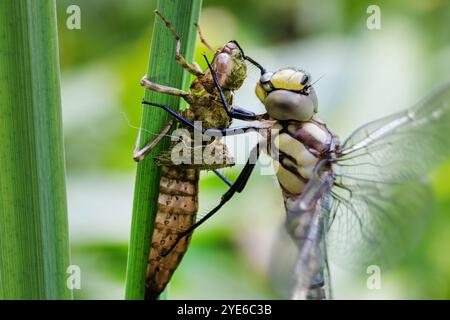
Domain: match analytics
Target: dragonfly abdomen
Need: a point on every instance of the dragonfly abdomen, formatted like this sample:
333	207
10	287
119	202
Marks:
305	227
177	209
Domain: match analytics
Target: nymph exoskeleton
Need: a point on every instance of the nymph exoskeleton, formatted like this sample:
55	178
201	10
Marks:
178	202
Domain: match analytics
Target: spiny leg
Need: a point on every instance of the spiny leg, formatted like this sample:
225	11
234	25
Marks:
203	40
239	113
140	154
222	177
146	83
246	115
236	131
191	68
209	132
238	186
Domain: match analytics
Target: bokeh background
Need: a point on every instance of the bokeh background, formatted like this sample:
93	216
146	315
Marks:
364	74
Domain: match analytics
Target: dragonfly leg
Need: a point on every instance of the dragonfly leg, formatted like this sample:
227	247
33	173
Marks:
235	112
246	115
140	153
222	177
235	131
209	132
191	68
203	40
174	114
237	186
146	83
249	59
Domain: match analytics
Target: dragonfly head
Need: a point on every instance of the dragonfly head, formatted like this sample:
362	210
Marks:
230	67
287	94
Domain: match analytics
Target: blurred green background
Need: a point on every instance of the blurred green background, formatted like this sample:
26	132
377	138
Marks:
365	74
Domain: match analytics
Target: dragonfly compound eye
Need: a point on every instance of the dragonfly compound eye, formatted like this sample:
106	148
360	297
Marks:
290	79
288	105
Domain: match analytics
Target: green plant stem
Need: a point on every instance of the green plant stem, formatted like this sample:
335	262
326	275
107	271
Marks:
162	65
34	248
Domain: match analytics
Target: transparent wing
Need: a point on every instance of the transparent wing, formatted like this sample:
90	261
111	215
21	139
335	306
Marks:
381	202
377	224
401	147
282	261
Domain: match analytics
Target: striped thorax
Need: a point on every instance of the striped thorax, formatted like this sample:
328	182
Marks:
297	147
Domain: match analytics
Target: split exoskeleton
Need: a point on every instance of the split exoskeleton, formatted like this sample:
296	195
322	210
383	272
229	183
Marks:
178	196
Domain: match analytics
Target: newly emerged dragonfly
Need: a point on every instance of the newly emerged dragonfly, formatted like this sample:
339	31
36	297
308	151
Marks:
178	194
363	200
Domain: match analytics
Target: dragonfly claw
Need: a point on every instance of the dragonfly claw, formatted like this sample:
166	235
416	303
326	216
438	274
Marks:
166	253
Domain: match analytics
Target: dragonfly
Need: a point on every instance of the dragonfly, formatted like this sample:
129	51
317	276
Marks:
363	201
178	193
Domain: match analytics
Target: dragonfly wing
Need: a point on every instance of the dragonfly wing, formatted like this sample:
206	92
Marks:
377	224
326	206
282	261
401	147
381	201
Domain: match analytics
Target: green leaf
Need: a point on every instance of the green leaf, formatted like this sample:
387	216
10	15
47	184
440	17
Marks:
34	248
162	64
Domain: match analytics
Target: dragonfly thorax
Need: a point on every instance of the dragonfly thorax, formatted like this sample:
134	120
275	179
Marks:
297	148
